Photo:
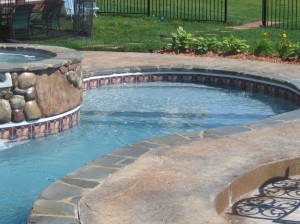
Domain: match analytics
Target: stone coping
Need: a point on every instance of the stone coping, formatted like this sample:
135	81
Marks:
58	56
59	202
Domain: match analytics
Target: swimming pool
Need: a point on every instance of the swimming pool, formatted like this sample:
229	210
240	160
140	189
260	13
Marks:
115	116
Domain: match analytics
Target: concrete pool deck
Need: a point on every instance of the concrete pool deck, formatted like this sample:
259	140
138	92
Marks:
183	178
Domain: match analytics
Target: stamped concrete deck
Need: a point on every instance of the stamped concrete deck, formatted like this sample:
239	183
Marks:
176	179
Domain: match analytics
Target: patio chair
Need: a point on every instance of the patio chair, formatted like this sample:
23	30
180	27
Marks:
20	19
50	16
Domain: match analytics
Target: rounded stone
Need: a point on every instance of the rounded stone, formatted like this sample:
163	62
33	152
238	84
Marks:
5	111
79	71
32	110
2	93
30	94
26	80
18	91
14	78
80	83
72	78
18	115
8	95
17	102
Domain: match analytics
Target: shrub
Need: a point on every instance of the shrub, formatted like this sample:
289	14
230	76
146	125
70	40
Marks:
182	41
264	47
232	45
205	44
283	46
295	51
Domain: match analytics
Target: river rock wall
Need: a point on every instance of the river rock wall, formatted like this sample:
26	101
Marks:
33	96
42	90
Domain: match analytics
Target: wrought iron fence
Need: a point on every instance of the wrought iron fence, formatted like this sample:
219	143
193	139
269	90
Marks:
202	10
281	14
83	18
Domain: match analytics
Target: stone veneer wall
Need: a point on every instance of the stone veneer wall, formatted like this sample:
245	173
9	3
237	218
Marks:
41	89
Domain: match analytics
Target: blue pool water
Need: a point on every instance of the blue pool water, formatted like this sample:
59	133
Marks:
9	57
113	117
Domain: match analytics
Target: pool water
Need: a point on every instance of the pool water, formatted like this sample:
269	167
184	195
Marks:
20	57
115	116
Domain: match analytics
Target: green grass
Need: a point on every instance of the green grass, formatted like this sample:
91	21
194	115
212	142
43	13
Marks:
143	34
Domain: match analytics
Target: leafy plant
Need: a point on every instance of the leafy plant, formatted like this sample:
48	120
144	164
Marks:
264	47
201	46
205	44
213	44
182	41
233	45
295	51
283	46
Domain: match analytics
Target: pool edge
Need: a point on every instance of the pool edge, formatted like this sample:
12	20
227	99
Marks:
126	154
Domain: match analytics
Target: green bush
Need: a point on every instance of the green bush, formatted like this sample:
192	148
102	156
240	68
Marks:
283	46
295	51
233	45
205	44
182	41
264	47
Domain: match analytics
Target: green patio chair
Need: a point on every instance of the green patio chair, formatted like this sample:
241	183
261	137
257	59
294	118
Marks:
20	19
49	19
51	14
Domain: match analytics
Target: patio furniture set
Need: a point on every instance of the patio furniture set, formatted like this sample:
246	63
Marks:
18	19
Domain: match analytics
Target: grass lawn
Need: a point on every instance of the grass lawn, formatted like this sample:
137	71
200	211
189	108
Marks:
145	34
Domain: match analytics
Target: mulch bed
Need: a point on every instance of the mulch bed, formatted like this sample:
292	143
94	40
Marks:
242	56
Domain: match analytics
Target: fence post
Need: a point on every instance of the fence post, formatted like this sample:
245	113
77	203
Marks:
225	11
264	12
148	8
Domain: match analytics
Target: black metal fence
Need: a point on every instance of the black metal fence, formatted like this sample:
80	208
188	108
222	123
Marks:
83	18
281	14
202	10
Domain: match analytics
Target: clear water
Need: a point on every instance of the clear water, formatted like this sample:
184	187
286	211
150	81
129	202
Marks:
113	117
20	57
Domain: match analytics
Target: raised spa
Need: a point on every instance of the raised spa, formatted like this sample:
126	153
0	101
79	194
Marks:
13	57
34	80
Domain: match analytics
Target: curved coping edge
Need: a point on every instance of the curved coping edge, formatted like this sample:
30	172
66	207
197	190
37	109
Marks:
78	183
255	178
277	81
58	56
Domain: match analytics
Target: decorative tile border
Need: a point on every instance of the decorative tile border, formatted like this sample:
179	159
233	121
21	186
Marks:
246	83
41	127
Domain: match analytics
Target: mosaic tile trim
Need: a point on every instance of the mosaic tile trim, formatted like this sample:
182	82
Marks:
243	83
42	128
